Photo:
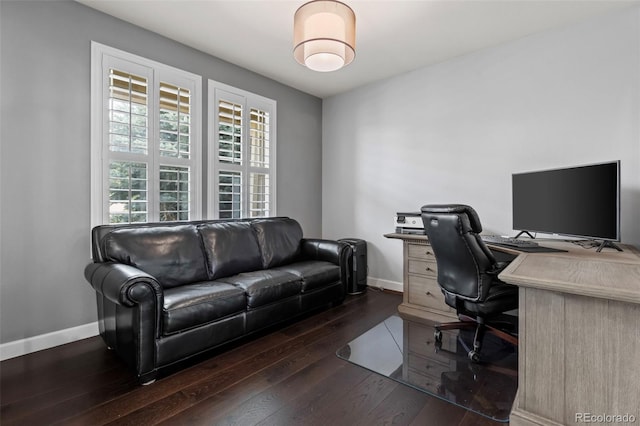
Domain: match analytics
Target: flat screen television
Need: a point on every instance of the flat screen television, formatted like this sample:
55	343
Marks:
581	201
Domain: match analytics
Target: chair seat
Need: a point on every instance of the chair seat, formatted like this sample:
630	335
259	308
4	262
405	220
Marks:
502	297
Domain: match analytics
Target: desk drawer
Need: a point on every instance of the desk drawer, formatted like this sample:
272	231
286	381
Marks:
425	291
421	267
423	252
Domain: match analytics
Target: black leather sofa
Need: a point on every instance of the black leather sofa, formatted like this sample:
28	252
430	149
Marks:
169	291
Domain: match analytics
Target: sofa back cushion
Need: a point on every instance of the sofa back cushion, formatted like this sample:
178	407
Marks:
171	254
279	240
230	247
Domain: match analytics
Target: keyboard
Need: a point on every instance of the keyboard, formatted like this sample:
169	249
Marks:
506	241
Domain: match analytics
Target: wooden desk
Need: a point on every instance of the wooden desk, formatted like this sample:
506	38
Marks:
422	298
579	334
579	330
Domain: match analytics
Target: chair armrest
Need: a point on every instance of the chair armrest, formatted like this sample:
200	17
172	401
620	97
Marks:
123	284
498	268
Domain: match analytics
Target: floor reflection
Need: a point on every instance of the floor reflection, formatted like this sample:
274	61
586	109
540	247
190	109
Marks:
405	351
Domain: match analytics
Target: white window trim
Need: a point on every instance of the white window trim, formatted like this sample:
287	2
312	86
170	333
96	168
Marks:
248	99
99	149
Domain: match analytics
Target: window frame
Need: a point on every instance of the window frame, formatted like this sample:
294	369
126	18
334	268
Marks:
248	100
102	59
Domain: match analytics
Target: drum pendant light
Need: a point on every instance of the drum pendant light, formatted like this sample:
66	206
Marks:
324	35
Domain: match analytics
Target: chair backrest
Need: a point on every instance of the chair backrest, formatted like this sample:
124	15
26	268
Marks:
462	257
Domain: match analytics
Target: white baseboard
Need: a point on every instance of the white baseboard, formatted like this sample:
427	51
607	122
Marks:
384	284
49	340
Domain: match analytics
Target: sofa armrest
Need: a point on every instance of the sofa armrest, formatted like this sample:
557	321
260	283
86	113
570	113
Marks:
328	250
123	284
332	251
138	300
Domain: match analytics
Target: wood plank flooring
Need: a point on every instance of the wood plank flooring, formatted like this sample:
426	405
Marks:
288	376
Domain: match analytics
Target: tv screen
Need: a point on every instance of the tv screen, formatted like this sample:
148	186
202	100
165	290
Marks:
582	201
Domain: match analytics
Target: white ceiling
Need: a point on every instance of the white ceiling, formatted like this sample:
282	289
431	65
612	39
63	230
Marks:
392	36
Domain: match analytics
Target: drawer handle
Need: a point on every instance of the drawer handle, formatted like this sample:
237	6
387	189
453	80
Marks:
429	269
428	253
428	293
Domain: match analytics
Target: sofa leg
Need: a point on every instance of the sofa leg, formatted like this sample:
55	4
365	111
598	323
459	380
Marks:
147	379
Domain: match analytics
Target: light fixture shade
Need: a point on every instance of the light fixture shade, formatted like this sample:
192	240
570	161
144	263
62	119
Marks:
324	35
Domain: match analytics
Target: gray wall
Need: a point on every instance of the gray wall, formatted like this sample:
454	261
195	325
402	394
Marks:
45	153
456	131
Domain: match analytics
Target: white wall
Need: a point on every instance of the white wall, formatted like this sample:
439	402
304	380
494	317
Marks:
456	131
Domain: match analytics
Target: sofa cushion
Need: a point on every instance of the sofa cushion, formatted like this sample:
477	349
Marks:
279	240
171	254
230	247
266	286
314	273
192	305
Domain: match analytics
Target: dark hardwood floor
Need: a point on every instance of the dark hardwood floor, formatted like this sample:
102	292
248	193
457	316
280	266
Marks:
289	376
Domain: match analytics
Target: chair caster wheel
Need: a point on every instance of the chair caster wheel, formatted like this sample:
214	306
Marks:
437	335
474	356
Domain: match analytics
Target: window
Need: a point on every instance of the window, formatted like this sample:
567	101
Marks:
241	154
146	140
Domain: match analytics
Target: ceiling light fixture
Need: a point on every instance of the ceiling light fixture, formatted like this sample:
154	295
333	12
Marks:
324	35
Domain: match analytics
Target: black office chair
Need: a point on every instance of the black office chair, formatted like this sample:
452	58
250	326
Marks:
468	275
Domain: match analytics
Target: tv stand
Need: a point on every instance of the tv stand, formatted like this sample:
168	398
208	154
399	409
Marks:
525	232
607	243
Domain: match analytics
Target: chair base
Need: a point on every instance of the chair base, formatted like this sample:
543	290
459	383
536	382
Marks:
466	322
